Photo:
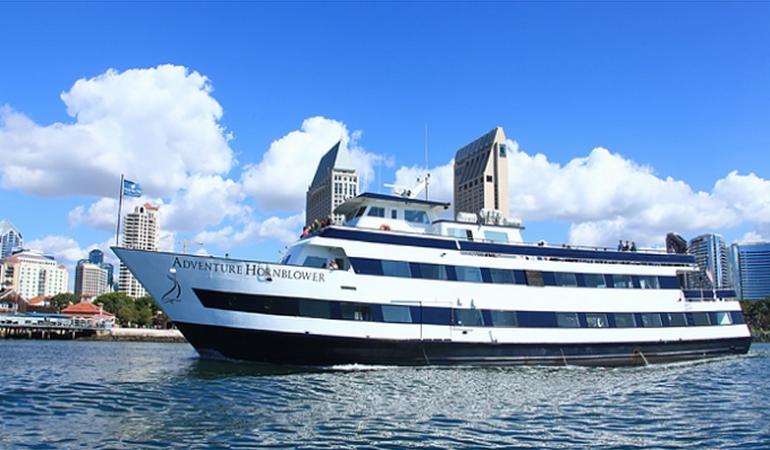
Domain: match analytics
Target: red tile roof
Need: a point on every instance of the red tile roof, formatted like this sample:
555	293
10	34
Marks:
85	309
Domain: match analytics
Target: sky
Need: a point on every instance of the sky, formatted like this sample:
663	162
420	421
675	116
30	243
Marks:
627	120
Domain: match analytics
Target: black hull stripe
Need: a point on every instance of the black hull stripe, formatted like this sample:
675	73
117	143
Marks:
314	350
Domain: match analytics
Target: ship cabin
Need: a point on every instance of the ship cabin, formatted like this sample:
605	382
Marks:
412	215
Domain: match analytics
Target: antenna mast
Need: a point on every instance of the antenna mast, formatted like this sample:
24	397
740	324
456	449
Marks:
427	174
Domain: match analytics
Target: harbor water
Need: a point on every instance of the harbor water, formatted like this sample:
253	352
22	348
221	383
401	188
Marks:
73	394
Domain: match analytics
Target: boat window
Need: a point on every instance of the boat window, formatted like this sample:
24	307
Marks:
376	211
430	271
535	278
624	320
411	215
597	320
456	232
700	319
565	279
360	211
356	311
496	236
465	273
567	320
502	276
396	314
503	318
651	320
648	282
396	269
315	261
314	308
723	318
394	214
594	280
677	320
469	235
467	317
622	281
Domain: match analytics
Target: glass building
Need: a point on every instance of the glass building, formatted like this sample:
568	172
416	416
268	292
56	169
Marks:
751	270
10	239
711	255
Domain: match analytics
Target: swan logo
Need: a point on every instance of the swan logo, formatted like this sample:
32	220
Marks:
174	294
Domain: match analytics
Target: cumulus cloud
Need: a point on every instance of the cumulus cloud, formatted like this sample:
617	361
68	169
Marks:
280	180
158	124
607	197
283	229
64	249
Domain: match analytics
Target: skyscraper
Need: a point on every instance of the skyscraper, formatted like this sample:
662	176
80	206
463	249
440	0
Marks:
711	256
140	232
31	274
10	238
751	270
481	174
90	280
96	256
334	182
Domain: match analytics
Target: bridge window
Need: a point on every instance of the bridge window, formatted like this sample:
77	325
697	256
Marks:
415	216
315	261
648	282
376	211
394	214
496	236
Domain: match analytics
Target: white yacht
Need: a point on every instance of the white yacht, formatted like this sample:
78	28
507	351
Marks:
395	285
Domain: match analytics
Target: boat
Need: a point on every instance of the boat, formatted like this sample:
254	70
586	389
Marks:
395	284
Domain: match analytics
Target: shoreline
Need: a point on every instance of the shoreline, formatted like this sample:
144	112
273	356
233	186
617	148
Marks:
137	335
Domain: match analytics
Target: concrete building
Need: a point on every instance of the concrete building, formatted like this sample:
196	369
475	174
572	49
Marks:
334	182
90	280
751	269
711	255
96	257
10	239
31	274
141	232
481	174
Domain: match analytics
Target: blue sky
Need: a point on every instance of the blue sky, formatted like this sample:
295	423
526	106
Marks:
676	90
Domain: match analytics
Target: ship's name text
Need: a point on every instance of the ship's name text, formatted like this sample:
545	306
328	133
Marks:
249	270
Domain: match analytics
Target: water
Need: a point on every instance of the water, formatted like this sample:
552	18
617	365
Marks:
69	394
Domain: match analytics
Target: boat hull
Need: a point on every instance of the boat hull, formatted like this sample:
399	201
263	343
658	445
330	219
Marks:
313	350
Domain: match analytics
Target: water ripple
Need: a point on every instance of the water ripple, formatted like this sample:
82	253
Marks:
133	395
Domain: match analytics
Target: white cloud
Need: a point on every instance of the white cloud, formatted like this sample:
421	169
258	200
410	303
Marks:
64	249
156	125
205	200
100	214
283	229
280	180
607	197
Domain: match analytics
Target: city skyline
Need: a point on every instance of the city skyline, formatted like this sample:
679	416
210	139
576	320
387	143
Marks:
627	138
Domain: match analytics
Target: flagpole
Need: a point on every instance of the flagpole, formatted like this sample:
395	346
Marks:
120	212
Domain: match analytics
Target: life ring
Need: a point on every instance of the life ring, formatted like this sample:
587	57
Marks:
385	227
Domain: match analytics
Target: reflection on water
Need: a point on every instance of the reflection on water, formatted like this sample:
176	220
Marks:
133	395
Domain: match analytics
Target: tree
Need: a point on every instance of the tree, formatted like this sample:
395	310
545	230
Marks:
61	301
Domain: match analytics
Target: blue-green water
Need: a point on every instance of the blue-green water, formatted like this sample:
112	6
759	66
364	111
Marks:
143	395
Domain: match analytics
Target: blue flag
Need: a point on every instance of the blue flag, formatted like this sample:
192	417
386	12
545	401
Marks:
131	189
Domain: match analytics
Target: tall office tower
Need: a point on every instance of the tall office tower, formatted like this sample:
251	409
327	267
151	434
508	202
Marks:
31	274
10	238
751	270
140	232
90	280
334	182
96	256
711	255
481	174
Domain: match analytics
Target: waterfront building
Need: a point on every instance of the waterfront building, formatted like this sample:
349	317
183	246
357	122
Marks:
334	182
140	232
751	269
96	257
10	239
32	274
711	256
481	175
90	280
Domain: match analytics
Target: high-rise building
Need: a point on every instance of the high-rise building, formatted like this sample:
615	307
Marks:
90	280
140	232
334	182
96	256
751	269
10	238
712	258
481	174
31	274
